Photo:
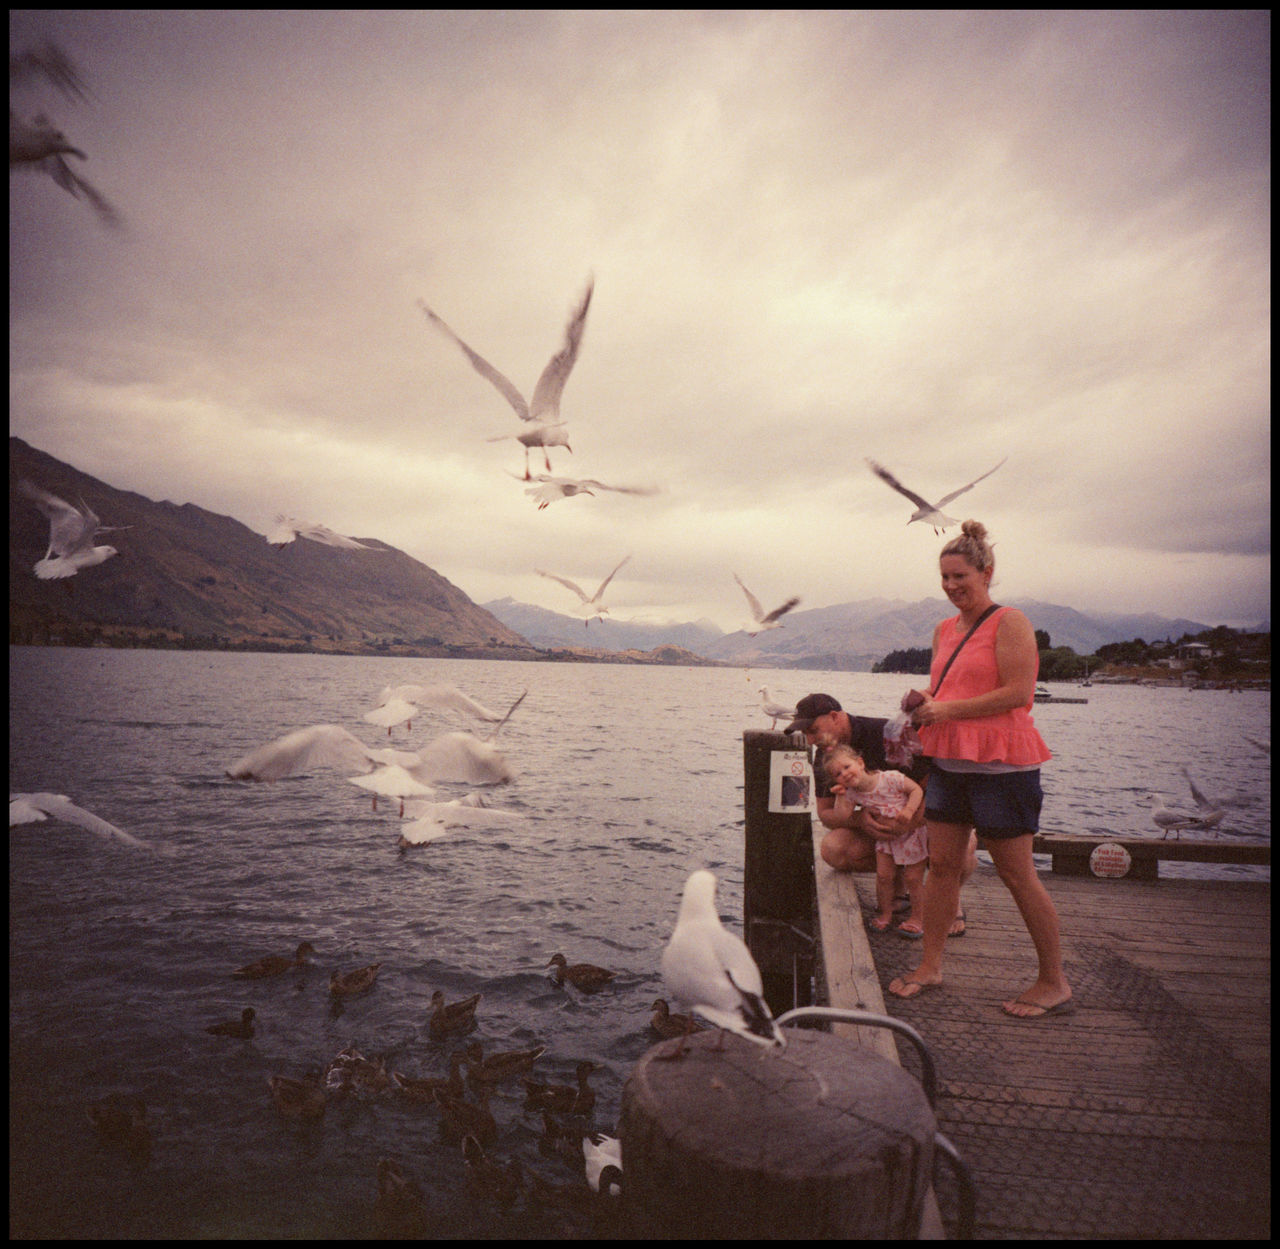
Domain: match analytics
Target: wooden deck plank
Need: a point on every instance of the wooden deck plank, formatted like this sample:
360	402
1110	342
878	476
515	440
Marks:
1153	1091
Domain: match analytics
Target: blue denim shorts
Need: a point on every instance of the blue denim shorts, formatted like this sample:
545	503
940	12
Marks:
998	805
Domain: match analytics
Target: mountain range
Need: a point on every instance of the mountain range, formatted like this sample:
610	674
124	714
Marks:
187	576
847	637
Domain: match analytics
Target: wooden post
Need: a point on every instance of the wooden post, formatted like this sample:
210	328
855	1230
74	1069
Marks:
777	885
817	1141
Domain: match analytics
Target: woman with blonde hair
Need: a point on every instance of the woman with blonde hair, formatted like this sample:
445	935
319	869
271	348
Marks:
975	724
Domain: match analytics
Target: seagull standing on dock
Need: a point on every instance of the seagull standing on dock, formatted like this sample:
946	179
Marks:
544	428
762	620
709	970
926	511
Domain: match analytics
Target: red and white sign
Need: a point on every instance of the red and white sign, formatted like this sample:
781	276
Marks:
1110	859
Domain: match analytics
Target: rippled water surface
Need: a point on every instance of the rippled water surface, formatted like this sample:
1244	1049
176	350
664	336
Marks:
630	776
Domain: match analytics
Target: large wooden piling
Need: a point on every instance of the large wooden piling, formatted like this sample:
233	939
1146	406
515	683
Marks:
778	893
819	1140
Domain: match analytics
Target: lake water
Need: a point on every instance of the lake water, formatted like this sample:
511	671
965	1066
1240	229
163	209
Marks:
630	777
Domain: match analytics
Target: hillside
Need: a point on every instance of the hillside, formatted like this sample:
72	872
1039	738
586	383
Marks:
194	577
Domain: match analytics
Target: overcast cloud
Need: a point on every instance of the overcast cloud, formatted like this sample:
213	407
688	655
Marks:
934	239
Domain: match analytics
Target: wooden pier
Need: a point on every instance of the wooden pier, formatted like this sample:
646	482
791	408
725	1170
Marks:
1143	1115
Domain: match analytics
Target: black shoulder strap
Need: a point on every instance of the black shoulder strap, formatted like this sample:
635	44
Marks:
942	676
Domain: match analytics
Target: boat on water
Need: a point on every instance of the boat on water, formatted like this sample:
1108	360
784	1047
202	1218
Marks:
1042	694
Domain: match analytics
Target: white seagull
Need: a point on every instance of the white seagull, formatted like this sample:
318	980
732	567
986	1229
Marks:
926	511
762	620
32	808
710	970
544	428
427	821
1210	812
287	529
71	534
465	758
552	489
392	780
599	1153
438	695
316	746
592	608
774	710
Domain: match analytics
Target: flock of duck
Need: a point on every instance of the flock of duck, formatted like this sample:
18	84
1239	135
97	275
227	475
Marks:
705	967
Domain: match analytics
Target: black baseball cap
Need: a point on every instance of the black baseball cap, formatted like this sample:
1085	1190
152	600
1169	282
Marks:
808	709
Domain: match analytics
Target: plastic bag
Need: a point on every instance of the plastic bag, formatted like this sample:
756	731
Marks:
901	745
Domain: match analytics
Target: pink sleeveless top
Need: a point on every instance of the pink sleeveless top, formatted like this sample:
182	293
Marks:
1010	737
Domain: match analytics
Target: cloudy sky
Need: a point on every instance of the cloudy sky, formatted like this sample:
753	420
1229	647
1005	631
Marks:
932	239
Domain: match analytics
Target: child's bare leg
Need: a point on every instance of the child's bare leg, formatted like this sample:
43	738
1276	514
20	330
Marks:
884	891
913	878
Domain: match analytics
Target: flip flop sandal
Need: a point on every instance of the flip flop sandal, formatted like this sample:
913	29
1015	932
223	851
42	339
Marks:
879	925
911	934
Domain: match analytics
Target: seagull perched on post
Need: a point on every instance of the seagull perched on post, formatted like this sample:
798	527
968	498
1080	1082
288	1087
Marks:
775	711
926	511
71	534
592	608
544	428
761	620
711	971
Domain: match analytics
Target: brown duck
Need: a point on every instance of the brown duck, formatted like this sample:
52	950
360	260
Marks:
275	964
486	1179
668	1026
562	1098
447	1017
398	1213
584	976
241	1028
485	1068
298	1099
421	1089
344	984
459	1117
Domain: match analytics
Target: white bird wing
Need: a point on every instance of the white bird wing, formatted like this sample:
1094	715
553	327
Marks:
285	530
1198	796
394	711
590	483
890	480
564	581
393	780
757	611
323	534
460	813
317	746
463	758
70	528
596	598
60	807
546	395
946	498
421	830
482	366
442	697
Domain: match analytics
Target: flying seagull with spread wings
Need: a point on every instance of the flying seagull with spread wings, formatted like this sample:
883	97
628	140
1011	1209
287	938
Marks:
543	426
926	511
287	529
592	608
762	620
71	534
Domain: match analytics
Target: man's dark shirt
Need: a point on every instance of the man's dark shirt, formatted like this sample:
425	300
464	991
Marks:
868	741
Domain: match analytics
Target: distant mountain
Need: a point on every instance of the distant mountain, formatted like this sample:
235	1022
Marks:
187	574
551	629
848	637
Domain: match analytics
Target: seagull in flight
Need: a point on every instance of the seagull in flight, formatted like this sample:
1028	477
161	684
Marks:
287	529
710	970
544	428
762	620
32	808
552	489
926	511
36	144
71	534
592	608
